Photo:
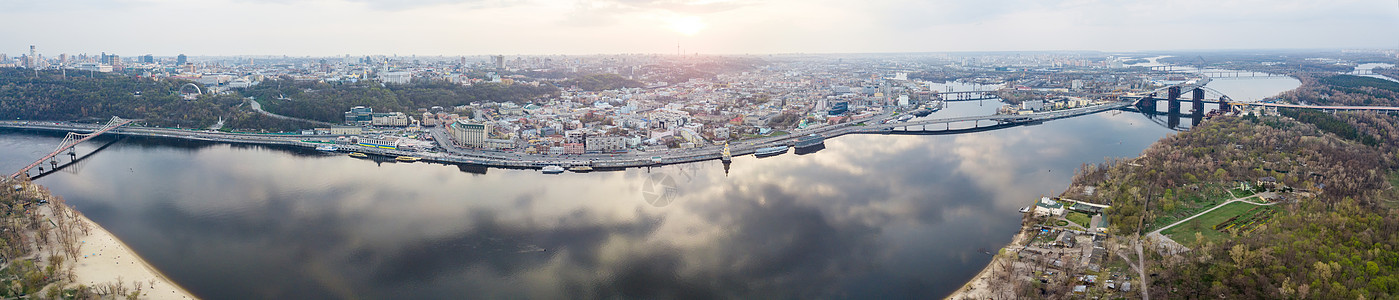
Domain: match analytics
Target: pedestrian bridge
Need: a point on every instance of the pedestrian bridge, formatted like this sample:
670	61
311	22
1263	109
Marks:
945	124
72	139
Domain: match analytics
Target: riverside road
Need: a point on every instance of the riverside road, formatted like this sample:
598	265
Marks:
877	124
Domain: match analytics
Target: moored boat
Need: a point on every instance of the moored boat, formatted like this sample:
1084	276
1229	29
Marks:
810	141
551	169
771	151
581	169
358	155
327	148
408	158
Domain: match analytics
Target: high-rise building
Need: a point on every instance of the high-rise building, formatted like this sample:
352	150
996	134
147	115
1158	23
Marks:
63	59
111	60
149	59
181	60
32	61
499	61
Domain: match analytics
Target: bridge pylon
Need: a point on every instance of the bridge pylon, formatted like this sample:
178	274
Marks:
69	141
1173	100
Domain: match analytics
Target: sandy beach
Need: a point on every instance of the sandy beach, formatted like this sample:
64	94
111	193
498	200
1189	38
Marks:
104	259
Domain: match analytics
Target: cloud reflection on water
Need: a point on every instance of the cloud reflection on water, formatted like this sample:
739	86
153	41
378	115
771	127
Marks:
886	216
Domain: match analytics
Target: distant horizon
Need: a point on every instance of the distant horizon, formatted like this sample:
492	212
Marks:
992	52
728	27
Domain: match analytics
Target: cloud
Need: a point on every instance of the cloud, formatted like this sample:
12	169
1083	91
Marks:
683	6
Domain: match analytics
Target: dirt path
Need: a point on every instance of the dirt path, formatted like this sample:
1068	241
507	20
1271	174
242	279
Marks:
1158	231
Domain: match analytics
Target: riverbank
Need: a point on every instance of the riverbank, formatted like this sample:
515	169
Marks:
456	155
83	258
104	259
981	286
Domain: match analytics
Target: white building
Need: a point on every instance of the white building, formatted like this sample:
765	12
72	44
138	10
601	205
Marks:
466	133
1035	105
721	133
1048	207
605	143
389	119
396	77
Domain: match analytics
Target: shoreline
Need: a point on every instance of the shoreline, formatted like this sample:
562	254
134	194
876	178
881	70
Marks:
93	267
980	284
638	159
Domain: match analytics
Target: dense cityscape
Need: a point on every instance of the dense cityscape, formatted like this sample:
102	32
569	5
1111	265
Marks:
699	149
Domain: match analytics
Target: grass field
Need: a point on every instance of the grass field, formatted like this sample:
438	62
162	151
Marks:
1185	233
1079	218
1193	203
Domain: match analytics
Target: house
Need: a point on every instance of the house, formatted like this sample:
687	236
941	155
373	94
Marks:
1267	182
1087	208
1066	239
1099	223
1048	207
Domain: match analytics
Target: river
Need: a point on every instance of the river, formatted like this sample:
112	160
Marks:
870	216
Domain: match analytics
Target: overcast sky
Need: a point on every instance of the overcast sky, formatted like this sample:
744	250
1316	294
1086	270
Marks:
472	27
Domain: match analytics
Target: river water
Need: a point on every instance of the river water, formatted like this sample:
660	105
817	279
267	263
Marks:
870	216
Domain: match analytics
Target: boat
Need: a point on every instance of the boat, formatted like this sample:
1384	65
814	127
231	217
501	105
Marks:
921	112
810	141
552	169
771	151
725	155
358	155
581	169
408	158
327	148
905	118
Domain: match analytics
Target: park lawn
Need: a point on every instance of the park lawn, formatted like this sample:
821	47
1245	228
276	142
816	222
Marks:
1185	232
1191	204
1079	218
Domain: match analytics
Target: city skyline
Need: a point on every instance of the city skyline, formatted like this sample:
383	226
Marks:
480	27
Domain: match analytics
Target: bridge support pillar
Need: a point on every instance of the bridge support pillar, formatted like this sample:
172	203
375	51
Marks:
1173	100
1197	100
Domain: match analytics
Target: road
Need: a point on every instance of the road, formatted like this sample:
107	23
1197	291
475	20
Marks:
873	125
258	108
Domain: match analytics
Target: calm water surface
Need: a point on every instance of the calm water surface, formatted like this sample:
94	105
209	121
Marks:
870	216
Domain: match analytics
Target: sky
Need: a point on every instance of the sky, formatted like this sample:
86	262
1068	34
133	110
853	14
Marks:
529	27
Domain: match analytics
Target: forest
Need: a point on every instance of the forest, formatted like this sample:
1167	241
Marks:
52	95
1278	62
601	82
1334	238
1328	89
328	101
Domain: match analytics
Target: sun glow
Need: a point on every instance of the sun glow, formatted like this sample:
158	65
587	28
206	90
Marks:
687	25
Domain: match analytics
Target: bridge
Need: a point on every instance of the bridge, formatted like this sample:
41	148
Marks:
72	139
1196	87
1216	74
1000	120
967	96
